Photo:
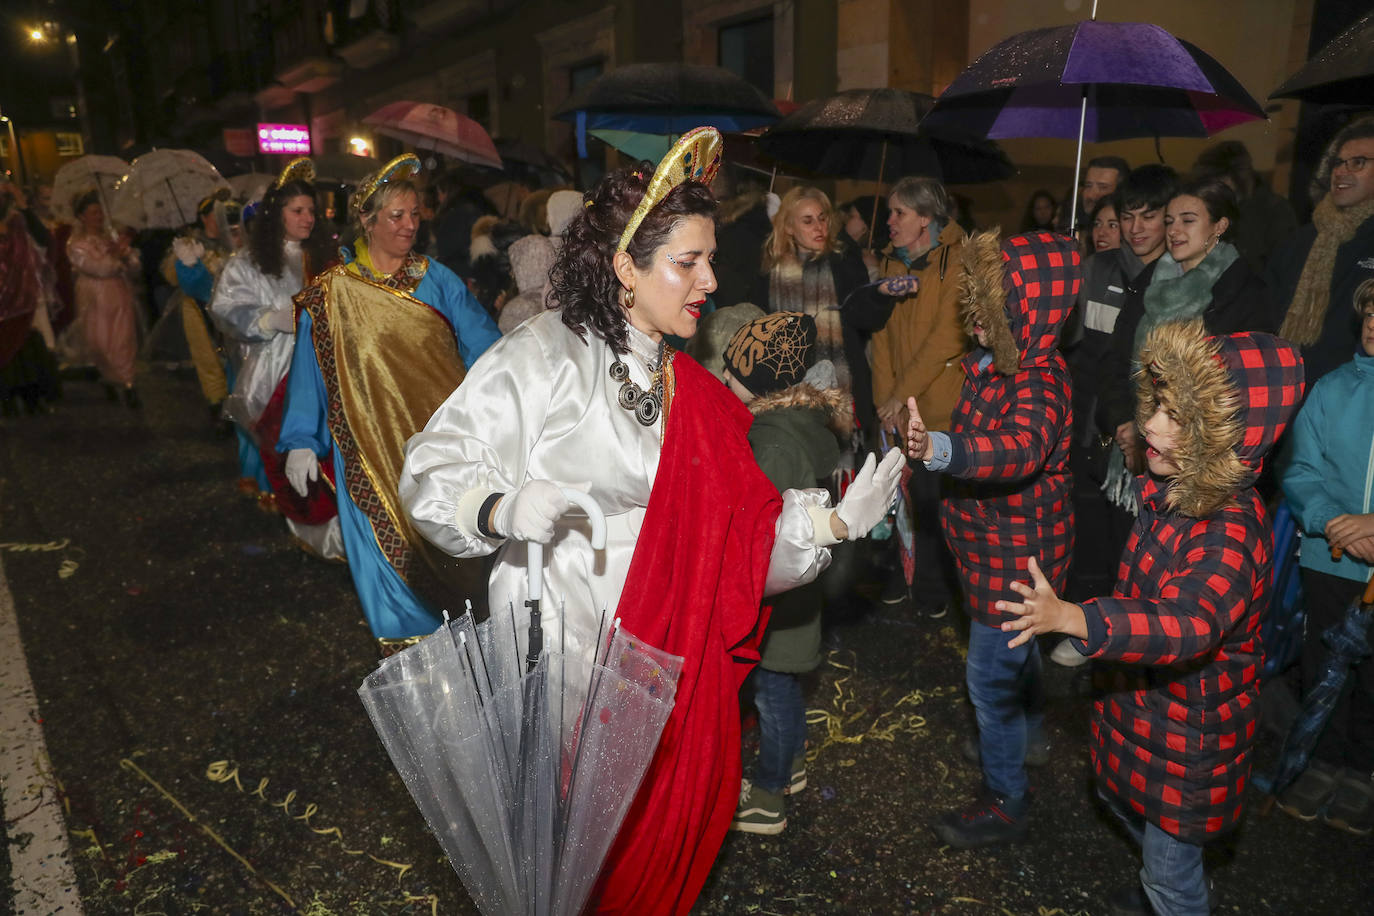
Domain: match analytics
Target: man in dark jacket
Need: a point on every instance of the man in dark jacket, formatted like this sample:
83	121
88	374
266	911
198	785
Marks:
1102	397
1172	738
1266	219
459	208
1315	273
1008	451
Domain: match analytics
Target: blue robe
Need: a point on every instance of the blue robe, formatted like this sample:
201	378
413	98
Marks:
392	610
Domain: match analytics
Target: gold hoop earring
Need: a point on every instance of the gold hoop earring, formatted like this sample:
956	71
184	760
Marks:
628	300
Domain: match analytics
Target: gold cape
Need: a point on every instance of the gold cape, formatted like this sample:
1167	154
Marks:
388	361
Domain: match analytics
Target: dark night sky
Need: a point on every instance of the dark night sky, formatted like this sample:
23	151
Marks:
31	73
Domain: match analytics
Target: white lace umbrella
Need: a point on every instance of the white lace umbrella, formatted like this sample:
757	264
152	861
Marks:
251	186
88	173
163	189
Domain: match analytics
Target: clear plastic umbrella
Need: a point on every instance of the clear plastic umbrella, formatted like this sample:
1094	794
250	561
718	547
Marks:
523	771
163	189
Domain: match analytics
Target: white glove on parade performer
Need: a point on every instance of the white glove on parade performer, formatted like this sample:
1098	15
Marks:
302	467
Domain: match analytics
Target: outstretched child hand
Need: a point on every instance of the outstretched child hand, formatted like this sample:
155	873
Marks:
917	436
1041	610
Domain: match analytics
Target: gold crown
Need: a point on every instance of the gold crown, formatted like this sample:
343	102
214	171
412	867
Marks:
208	201
301	169
398	169
694	157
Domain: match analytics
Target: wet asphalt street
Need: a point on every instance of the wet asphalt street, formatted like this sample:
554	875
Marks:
197	680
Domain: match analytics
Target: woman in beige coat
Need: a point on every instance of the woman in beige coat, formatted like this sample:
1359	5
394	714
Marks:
917	354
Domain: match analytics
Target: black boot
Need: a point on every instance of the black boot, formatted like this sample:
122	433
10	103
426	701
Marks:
989	821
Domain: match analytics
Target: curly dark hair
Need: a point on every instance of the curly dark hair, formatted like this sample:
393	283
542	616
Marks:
583	279
266	234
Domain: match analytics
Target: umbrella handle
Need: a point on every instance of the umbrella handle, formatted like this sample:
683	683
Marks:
535	562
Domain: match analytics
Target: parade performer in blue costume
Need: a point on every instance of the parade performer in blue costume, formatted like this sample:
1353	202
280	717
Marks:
381	341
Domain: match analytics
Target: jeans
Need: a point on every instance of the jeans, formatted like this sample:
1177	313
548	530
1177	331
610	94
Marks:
782	727
1173	875
1005	687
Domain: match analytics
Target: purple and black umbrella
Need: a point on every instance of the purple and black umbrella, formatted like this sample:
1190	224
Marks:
1095	81
1139	81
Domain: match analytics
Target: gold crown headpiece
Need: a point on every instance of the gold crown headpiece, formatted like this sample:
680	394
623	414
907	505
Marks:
398	169
218	194
694	157
301	169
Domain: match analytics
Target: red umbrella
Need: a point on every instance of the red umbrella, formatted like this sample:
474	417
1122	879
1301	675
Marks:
434	127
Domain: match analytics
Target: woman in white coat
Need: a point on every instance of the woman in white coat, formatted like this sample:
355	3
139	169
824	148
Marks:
588	396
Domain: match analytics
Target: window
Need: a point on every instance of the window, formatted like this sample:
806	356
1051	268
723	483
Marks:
479	108
746	50
70	145
582	74
63	107
593	167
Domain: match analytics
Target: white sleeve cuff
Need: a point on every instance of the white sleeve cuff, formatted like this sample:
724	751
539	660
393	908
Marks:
465	516
820	525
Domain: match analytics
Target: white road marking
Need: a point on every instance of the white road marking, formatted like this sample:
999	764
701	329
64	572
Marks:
44	882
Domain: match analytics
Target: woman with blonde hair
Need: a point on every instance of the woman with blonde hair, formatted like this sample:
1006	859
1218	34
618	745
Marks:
807	270
381	341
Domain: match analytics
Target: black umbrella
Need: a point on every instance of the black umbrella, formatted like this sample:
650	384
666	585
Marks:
524	159
875	134
1340	73
666	98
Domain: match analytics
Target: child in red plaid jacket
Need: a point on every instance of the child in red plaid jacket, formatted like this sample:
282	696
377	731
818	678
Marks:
1008	452
1173	734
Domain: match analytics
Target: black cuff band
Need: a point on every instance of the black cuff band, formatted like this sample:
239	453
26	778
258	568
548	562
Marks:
484	513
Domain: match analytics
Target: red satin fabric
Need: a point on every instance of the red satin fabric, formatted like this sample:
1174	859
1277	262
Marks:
694	589
318	505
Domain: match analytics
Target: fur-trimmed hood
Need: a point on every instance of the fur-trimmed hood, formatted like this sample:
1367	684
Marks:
833	402
1232	396
1020	291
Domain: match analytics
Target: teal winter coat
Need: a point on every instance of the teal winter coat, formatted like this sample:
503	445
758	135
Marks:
1330	468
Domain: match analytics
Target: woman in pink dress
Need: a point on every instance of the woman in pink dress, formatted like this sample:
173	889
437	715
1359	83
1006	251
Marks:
106	326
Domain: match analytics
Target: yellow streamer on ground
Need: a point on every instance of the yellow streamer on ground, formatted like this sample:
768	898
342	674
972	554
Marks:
128	764
222	771
47	547
65	569
848	720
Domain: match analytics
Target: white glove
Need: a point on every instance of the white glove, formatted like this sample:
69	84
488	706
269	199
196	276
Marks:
281	320
528	513
187	250
866	501
301	467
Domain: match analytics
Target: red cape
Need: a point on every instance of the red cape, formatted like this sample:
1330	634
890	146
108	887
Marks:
694	589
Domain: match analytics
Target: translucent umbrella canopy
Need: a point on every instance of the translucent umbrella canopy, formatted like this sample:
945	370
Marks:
163	189
88	173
